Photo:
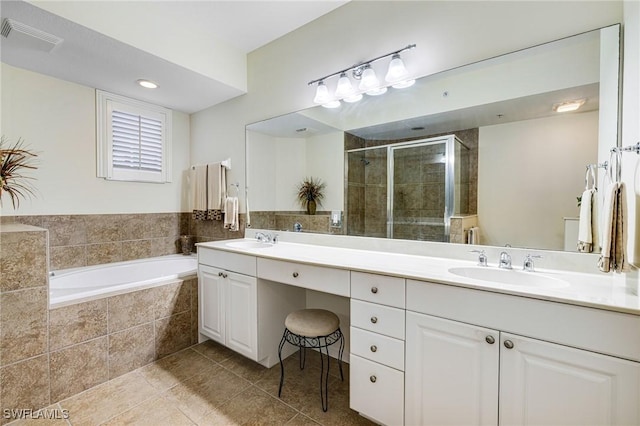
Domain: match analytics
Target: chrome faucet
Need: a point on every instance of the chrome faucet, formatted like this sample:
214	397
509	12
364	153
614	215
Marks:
505	260
528	263
266	237
482	257
297	227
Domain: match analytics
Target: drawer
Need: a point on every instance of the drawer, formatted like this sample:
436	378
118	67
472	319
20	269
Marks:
228	261
378	289
327	280
378	318
377	347
376	391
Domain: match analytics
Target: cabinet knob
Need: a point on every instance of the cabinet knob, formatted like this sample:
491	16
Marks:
508	344
373	379
374	348
374	290
220	274
374	320
295	275
490	339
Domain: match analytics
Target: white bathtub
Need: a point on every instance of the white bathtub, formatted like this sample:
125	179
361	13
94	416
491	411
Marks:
69	286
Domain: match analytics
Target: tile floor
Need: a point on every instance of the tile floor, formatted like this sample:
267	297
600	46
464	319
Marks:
208	384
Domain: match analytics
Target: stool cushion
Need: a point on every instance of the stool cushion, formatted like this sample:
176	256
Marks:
312	322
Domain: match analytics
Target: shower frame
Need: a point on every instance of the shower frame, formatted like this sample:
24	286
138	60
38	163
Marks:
450	143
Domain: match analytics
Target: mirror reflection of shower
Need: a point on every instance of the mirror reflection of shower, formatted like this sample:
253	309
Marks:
409	189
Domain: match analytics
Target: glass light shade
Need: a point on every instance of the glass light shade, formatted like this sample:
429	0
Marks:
369	80
344	88
397	71
404	84
322	94
353	98
377	91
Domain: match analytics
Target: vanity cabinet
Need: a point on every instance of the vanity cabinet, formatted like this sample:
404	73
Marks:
228	300
377	347
461	373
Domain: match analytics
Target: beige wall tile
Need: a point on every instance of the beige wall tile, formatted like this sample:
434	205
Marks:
67	257
172	299
102	228
137	249
65	230
23	260
77	368
131	349
78	323
23	315
104	253
173	334
29	384
132	226
130	309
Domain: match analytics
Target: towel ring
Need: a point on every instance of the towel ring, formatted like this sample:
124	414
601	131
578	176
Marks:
237	188
615	167
590	172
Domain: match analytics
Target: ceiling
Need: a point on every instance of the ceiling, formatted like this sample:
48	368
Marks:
93	59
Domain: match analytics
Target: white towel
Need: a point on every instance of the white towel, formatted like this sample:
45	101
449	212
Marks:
216	186
473	235
614	230
248	216
231	214
585	227
198	177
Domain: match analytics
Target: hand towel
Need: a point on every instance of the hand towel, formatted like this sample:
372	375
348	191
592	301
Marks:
473	235
216	186
198	180
614	230
248	216
585	227
231	214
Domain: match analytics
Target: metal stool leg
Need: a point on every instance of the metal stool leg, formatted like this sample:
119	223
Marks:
324	375
284	339
340	352
303	354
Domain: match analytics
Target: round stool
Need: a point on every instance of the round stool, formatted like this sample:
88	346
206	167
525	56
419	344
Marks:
317	329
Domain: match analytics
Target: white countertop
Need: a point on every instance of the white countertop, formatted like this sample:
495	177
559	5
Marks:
584	289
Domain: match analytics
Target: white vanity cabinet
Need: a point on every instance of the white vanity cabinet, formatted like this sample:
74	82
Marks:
376	386
227	287
460	373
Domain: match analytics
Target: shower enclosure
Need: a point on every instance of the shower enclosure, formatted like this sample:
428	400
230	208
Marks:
407	190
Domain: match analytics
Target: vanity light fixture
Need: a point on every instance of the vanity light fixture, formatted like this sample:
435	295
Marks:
147	84
569	106
397	77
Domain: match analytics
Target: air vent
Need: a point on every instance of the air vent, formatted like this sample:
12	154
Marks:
26	37
306	130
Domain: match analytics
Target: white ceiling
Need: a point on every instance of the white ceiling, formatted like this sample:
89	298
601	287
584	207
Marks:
93	59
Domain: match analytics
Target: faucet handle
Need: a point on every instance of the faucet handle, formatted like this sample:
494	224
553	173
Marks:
482	257
528	264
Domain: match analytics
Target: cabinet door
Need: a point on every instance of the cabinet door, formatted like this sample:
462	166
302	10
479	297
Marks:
451	373
543	383
242	314
211	288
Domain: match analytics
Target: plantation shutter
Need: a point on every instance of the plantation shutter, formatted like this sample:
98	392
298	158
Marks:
137	142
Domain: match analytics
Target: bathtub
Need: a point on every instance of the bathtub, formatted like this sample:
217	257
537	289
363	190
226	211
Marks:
70	286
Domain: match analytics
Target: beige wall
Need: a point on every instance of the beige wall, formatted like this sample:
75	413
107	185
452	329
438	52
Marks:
529	175
57	120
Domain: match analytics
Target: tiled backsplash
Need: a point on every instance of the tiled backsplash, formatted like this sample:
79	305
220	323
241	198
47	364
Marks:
85	240
319	223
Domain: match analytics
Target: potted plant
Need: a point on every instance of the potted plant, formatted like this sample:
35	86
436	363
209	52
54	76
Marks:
310	194
13	160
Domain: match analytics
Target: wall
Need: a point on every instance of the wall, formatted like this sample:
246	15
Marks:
507	190
57	120
440	29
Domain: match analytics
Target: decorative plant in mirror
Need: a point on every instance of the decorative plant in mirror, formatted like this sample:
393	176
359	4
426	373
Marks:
310	194
14	159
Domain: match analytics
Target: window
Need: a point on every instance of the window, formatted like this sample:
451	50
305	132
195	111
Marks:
134	139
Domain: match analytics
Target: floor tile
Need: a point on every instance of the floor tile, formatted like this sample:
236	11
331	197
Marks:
176	368
244	367
156	411
214	351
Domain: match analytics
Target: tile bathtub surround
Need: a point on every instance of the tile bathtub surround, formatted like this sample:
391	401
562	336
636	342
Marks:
84	240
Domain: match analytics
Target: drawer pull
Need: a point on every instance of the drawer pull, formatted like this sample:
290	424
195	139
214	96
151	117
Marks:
373	379
374	290
374	320
490	339
222	274
374	348
295	275
508	344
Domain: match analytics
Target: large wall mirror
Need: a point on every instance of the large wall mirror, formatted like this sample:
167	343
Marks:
474	154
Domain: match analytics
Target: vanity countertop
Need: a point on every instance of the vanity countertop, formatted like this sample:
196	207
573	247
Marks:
582	289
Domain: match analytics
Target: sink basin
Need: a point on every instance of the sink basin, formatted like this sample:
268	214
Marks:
248	244
509	277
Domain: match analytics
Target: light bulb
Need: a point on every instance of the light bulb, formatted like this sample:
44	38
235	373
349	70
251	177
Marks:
353	98
403	84
332	104
377	91
322	94
344	88
397	71
369	79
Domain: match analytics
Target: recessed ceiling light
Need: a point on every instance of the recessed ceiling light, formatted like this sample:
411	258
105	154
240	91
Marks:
148	84
569	106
